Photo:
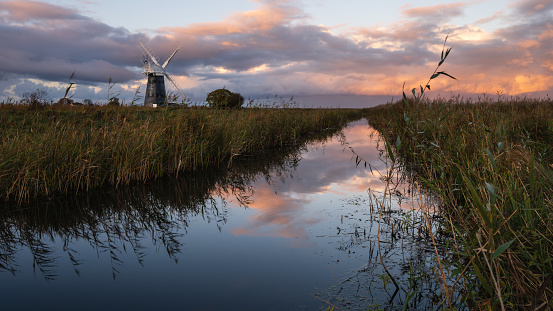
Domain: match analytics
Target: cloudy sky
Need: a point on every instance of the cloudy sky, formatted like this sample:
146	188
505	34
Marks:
353	50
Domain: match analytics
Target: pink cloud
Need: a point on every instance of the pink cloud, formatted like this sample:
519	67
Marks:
267	16
33	10
276	215
495	16
532	7
440	10
290	56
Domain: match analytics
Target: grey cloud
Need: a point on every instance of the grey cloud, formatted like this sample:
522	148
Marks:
27	11
312	48
534	8
71	42
296	53
508	49
64	42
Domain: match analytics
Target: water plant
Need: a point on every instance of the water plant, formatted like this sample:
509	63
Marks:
119	221
490	164
62	149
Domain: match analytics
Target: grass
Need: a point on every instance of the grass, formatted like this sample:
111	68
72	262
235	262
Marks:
55	150
491	164
119	221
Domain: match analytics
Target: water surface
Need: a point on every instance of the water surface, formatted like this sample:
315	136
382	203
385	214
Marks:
283	231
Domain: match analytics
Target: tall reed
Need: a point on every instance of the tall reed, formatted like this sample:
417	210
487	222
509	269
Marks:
59	149
120	220
490	162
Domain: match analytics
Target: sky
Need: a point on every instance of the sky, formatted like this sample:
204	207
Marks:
344	52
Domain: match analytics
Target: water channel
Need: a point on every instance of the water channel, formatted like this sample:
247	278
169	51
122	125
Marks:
291	230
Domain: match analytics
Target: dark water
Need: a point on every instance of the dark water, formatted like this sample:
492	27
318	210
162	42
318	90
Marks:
284	231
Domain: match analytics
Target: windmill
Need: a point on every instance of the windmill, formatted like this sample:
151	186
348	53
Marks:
155	89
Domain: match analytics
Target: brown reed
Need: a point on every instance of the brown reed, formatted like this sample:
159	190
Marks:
57	150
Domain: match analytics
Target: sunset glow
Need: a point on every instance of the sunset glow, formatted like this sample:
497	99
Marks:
285	47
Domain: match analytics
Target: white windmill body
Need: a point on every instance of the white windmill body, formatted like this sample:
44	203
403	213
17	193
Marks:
155	88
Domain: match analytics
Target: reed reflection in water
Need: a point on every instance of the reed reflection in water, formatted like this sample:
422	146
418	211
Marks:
265	233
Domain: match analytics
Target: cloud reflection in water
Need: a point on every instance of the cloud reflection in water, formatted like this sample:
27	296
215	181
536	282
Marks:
288	207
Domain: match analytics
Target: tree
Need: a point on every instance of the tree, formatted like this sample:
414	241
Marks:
223	98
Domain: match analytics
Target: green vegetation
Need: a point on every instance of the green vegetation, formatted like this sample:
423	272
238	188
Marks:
491	164
124	219
58	149
224	99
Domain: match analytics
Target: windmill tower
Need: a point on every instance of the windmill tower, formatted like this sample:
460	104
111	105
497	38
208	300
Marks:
155	89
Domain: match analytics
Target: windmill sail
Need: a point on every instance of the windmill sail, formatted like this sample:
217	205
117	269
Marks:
155	89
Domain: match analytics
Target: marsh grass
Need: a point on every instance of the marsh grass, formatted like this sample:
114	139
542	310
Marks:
119	221
491	164
60	150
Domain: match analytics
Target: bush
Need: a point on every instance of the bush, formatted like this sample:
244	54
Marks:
36	98
223	98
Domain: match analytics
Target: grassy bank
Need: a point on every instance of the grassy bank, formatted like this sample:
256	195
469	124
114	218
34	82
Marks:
60	149
491	164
